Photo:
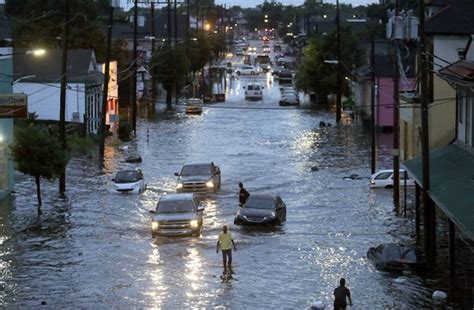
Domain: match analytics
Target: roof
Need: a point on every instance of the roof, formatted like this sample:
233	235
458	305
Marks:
460	72
455	19
452	184
177	197
81	66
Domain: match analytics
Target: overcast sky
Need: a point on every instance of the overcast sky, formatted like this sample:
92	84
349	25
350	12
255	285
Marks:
253	3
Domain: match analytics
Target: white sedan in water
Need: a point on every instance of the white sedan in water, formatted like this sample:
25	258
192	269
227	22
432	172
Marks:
129	181
384	178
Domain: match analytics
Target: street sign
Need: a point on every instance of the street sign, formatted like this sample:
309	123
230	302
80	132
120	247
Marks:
13	105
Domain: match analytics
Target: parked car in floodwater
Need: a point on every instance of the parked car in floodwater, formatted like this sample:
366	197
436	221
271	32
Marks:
384	178
129	181
395	257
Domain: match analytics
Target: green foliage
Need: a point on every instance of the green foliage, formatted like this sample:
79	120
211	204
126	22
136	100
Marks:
80	145
314	75
199	53
170	66
40	23
124	130
37	153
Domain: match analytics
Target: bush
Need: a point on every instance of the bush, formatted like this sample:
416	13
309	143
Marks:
124	130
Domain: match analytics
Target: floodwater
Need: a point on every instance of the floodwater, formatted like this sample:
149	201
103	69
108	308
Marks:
95	249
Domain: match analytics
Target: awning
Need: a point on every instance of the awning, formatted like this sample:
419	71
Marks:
451	184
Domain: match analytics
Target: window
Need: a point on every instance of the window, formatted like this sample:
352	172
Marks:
383	176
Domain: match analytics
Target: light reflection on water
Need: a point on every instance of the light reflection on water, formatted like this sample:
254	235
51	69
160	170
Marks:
110	258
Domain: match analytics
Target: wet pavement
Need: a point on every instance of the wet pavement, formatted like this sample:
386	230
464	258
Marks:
95	249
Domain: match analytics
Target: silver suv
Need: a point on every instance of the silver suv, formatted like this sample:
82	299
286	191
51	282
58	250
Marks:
199	178
177	214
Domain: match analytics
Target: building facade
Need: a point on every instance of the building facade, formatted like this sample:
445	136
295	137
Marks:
7	171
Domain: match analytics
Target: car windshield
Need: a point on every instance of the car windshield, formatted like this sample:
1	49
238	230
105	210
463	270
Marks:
383	176
127	176
260	203
175	206
196	170
250	87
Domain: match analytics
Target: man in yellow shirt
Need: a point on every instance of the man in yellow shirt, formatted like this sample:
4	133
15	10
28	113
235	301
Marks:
225	242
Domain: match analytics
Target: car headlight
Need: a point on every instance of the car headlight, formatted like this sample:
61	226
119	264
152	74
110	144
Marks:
179	185
210	184
372	182
154	225
194	223
273	214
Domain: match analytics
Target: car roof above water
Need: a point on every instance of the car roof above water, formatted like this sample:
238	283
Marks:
199	164
177	197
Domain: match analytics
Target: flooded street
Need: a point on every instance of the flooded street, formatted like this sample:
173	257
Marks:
96	249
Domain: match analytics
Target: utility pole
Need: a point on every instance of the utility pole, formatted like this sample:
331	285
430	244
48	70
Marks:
62	107
372	106
429	213
105	93
197	18
169	22
175	22
153	75
187	28
134	63
396	122
338	73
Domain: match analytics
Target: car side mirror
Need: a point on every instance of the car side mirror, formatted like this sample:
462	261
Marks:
243	87
113	179
200	208
263	87
152	211
176	174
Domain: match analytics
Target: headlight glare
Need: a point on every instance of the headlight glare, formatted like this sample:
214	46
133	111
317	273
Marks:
179	185
154	225
210	184
194	223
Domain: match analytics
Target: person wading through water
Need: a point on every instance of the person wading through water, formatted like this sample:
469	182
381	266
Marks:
243	195
225	243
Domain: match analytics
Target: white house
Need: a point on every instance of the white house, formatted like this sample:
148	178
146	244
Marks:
40	79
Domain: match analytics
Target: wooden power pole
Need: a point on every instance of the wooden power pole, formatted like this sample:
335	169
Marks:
62	104
105	93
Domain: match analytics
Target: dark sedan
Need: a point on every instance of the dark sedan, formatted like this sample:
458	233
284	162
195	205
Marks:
394	257
261	210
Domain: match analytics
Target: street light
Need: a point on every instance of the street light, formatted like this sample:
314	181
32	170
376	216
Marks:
36	52
207	27
332	62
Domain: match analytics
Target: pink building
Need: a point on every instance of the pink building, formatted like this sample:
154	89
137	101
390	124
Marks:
384	84
384	99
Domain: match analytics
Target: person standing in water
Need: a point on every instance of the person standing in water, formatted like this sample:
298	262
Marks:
225	243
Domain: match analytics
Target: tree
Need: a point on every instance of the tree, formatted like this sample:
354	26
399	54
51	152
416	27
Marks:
314	75
38	154
39	23
170	66
199	53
